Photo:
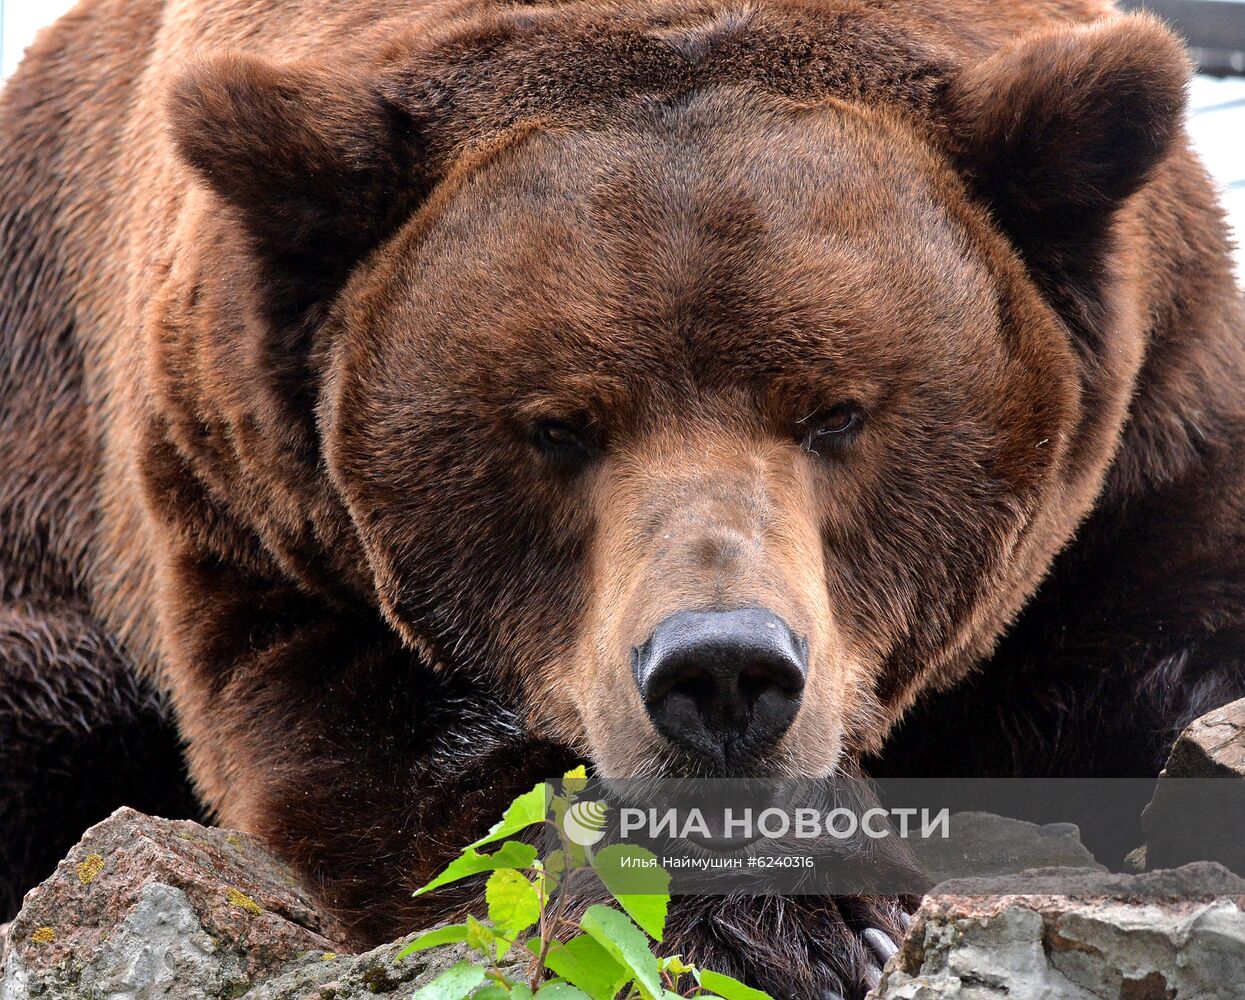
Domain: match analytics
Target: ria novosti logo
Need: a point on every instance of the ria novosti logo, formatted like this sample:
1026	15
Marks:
774	823
584	822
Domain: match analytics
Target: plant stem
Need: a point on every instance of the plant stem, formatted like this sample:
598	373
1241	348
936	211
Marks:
545	937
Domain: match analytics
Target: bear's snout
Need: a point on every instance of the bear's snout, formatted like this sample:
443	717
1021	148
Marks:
724	685
710	646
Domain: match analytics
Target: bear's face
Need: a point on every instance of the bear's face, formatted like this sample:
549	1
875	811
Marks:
716	424
730	355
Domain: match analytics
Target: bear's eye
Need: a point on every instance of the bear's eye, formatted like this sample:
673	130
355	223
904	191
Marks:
563	442
832	428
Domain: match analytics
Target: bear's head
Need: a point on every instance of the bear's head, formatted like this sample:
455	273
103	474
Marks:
716	383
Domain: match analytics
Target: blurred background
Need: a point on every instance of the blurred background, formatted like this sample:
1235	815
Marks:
1215	30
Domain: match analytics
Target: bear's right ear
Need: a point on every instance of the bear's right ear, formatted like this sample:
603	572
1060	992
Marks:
319	167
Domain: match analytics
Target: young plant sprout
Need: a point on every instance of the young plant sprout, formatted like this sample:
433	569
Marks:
603	954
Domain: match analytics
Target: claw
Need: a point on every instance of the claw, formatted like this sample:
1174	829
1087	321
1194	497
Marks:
880	942
831	995
906	920
873	975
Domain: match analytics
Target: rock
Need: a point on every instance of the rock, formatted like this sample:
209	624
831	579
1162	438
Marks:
983	844
150	909
145	907
1212	746
1198	808
1065	934
354	977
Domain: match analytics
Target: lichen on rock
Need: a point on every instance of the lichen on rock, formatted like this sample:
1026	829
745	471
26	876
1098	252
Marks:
89	868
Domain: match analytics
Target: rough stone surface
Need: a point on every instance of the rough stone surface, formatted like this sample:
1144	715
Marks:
1212	746
147	908
983	844
150	909
1198	809
1068	934
354	977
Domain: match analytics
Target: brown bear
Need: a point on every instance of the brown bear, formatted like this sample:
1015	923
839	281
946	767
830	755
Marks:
421	396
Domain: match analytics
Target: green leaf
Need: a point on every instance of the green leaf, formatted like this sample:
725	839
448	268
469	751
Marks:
573	855
452	934
647	911
527	810
480	938
575	780
520	991
642	889
627	944
675	965
511	854
561	991
491	991
728	988
584	963
455	983
513	904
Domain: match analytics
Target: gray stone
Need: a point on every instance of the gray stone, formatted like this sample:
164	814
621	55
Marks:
160	950
356	977
1212	746
983	844
148	909
1061	934
1198	808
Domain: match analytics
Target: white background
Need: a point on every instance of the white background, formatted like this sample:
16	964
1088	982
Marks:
1218	106
19	22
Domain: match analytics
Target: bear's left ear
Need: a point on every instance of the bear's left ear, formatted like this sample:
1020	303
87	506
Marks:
1057	129
317	166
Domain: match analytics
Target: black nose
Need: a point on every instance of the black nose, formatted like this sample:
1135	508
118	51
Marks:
722	683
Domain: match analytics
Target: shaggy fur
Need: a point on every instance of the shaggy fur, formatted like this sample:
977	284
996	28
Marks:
377	378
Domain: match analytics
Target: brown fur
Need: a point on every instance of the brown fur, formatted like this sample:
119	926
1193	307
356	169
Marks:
313	281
